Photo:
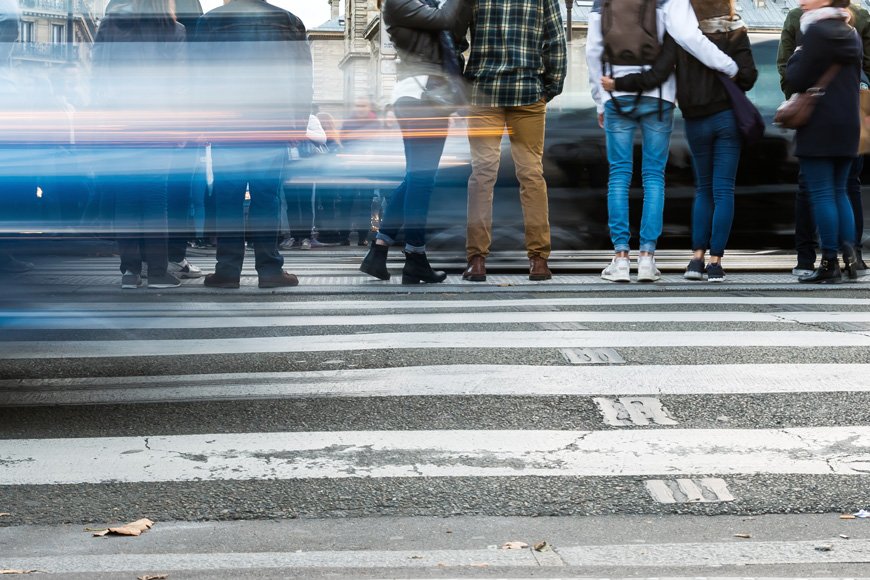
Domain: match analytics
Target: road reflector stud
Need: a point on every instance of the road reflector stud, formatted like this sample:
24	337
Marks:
707	490
633	412
592	356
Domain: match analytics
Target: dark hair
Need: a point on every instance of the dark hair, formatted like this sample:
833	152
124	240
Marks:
840	3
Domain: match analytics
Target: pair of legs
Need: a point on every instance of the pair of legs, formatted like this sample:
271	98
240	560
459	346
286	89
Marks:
258	168
826	181
424	132
655	119
805	224
136	180
525	126
715	143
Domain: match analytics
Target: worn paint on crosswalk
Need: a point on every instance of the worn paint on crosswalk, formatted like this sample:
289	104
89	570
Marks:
706	490
633	412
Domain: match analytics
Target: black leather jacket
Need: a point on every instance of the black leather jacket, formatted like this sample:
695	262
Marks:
414	26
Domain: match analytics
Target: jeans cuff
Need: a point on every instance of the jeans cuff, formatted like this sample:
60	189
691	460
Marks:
651	248
415	249
382	236
621	248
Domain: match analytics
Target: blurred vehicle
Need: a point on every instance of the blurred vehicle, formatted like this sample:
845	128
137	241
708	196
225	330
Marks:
575	164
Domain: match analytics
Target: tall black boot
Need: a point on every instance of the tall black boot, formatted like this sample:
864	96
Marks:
828	272
417	269
851	262
375	262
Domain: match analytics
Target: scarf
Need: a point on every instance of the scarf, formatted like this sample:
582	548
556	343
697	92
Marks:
827	13
721	24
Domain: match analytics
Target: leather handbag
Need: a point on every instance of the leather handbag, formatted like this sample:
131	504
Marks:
796	112
864	143
750	123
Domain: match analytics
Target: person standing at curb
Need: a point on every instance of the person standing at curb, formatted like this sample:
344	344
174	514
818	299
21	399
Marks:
620	114
805	225
517	65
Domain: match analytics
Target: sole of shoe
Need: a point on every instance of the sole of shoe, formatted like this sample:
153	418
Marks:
825	281
715	280
474	278
617	279
540	277
130	286
693	276
230	285
280	283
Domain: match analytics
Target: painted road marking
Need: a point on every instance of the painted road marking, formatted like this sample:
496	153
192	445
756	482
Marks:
427	340
561	325
707	490
697	554
448	380
460	453
229	308
591	356
634	411
548	320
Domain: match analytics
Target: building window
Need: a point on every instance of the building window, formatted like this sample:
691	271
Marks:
57	36
26	32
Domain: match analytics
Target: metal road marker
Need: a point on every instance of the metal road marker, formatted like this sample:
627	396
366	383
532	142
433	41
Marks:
591	356
708	490
633	411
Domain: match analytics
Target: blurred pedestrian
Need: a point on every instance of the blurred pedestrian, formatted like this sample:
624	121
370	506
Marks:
255	83
416	27
137	54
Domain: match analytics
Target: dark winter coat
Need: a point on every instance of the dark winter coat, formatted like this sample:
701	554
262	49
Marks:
834	127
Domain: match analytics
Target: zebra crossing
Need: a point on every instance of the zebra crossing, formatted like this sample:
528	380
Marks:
436	405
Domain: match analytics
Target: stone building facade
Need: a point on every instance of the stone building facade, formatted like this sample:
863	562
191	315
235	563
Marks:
44	30
327	51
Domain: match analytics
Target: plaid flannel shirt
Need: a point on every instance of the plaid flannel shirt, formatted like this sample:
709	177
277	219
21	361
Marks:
518	52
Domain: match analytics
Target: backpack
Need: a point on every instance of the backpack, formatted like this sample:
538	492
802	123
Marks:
630	32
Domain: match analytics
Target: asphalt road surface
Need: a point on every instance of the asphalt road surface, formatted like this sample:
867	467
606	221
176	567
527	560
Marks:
359	429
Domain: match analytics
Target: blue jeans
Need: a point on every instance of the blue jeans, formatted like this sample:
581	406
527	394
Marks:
805	226
715	144
656	134
408	206
260	168
826	179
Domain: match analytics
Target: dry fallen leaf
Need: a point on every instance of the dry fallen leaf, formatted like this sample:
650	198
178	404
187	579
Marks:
153	577
7	571
514	546
4	514
541	546
844	536
847	517
480	565
132	529
744	536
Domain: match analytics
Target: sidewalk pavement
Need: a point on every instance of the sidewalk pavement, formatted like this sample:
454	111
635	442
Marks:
92	269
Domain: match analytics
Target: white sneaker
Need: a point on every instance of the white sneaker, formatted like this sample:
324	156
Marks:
646	269
801	272
183	269
619	270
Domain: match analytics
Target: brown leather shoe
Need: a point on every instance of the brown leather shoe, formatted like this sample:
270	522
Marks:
476	270
538	269
285	279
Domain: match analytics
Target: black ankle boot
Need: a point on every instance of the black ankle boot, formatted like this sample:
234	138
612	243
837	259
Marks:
828	272
851	262
375	262
417	269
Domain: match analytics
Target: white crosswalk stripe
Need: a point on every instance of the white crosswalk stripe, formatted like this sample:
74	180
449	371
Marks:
618	447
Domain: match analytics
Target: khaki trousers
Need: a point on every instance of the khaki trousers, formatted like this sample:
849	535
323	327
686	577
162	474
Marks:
525	127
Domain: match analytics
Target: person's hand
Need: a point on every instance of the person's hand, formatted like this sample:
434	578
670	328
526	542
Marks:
601	120
608	84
